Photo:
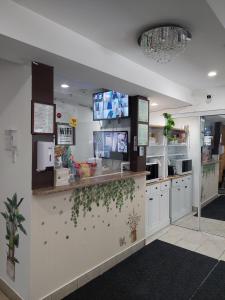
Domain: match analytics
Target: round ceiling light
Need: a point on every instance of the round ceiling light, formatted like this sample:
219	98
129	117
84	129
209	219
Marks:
212	73
154	104
65	86
163	43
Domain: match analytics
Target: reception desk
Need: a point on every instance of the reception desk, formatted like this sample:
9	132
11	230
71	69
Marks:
75	240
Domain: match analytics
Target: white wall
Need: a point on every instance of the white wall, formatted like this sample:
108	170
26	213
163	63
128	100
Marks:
15	112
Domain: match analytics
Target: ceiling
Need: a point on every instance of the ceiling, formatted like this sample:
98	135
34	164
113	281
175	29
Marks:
83	80
117	24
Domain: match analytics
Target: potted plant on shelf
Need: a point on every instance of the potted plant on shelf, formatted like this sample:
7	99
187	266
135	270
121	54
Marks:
14	220
170	123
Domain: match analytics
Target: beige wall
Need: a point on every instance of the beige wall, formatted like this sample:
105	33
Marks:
15	108
94	240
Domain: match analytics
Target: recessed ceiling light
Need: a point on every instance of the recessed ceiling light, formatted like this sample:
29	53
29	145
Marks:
64	86
154	104
212	73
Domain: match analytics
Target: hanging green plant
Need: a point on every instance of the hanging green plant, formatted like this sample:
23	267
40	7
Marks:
104	194
170	123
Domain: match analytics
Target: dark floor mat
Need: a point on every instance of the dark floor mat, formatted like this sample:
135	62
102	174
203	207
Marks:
214	210
159	271
214	286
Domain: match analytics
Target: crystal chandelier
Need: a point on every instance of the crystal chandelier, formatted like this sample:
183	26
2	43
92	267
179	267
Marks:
163	43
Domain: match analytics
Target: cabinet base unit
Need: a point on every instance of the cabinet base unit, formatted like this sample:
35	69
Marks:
157	207
180	197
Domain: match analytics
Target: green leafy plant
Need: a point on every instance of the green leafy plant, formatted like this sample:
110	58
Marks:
14	222
104	194
170	123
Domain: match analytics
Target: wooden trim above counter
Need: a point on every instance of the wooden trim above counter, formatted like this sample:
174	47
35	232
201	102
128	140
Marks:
88	182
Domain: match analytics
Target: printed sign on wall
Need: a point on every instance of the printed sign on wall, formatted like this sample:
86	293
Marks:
65	134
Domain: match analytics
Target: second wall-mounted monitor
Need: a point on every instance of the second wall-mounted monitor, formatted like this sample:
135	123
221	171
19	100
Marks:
110	105
111	144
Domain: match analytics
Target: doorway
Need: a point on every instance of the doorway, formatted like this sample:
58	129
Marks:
212	202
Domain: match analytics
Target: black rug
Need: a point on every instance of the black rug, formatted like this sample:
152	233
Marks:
159	271
214	210
214	286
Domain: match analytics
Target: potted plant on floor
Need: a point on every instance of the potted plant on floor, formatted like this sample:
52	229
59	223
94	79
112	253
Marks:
14	220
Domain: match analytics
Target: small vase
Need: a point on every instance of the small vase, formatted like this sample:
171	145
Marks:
10	268
133	236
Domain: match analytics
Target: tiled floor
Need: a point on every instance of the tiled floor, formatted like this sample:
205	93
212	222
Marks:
211	226
201	242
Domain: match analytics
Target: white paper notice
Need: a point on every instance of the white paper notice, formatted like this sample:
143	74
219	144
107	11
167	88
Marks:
43	118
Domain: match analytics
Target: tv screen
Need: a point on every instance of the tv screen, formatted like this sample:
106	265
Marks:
111	144
110	105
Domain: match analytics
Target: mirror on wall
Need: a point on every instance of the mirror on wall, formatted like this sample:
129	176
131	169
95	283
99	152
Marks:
184	157
213	175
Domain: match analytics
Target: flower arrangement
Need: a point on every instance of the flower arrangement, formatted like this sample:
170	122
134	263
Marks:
133	221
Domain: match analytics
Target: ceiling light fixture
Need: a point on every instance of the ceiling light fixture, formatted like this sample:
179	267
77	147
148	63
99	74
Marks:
163	43
212	73
64	86
154	104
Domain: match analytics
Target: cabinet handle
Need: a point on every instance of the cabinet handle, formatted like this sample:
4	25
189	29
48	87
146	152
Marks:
178	189
161	195
185	186
150	198
156	188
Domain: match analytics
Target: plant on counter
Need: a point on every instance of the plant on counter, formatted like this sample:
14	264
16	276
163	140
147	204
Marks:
14	220
106	193
170	123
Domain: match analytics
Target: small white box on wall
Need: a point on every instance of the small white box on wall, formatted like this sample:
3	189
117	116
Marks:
62	176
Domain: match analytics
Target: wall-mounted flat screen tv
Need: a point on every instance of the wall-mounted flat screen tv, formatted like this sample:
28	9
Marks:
111	144
110	105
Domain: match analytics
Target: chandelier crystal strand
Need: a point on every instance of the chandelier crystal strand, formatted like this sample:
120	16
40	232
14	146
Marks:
164	43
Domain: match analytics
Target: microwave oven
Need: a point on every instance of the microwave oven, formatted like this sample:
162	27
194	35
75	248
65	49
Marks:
182	166
153	168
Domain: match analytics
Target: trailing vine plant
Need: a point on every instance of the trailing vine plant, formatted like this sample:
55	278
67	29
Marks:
101	194
170	123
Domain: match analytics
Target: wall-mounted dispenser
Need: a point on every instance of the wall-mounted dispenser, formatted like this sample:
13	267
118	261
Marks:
45	155
11	142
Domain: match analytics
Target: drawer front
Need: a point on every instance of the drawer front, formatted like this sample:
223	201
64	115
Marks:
155	188
165	186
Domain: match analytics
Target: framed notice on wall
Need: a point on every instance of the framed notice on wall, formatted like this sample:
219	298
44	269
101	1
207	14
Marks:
43	118
142	134
143	110
65	134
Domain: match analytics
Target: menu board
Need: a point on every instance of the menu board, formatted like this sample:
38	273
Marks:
43	118
142	134
143	112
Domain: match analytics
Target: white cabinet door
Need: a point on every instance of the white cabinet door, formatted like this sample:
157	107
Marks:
153	211
164	206
188	197
176	203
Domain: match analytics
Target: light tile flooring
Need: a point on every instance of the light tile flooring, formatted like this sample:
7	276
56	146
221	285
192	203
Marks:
211	226
201	242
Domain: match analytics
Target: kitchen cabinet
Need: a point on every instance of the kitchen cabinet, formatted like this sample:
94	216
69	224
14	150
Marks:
181	197
157	206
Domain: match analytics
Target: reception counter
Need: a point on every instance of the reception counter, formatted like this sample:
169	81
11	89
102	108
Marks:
89	181
81	230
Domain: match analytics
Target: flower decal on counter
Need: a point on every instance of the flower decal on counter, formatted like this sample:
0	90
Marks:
132	222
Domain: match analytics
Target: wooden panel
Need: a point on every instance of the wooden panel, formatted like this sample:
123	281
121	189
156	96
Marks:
42	91
42	83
